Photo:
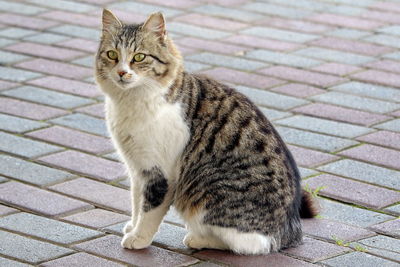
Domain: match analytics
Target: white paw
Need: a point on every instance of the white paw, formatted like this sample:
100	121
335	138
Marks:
135	241
128	227
192	241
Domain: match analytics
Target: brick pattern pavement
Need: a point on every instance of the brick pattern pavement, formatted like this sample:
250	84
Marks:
326	72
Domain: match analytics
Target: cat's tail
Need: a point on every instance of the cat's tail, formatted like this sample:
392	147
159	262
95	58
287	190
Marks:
308	208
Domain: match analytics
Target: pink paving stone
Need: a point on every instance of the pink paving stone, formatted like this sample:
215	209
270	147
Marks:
72	18
345	21
102	169
97	218
128	17
396	113
39	200
4	210
96	110
28	110
385	65
310	158
375	154
56	68
336	68
257	42
212	46
174	3
212	22
383	138
7	85
295	25
331	230
352	46
388	6
77	259
80	44
98	2
74	139
273	260
381	16
68	86
249	79
225	2
314	78
353	192
26	22
391	228
341	114
39	50
315	250
100	194
298	90
110	247
187	50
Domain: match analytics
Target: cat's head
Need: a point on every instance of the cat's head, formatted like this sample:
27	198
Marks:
132	56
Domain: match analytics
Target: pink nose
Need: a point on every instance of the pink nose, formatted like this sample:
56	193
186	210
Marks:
121	73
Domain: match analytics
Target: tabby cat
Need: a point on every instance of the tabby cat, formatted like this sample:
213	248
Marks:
194	143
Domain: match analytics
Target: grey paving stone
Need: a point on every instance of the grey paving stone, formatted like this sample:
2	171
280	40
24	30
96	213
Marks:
283	35
9	58
145	8
394	209
113	156
2	179
85	61
5	210
227	61
77	31
195	66
96	218
347	10
28	249
84	123
80	259
393	30
393	125
273	114
364	172
47	229
228	13
304	4
371	90
358	102
314	140
324	126
46	38
172	216
115	228
25	147
283	58
394	55
47	97
16	33
6	42
334	55
171	237
382	246
9	263
196	31
390	228
349	33
383	39
64	5
17	75
269	99
358	259
19	125
304	172
20	8
277	10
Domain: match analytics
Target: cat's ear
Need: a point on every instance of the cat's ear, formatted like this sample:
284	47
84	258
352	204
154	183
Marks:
110	22
155	23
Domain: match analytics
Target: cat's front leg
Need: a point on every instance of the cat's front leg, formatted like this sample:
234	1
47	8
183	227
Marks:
155	195
136	196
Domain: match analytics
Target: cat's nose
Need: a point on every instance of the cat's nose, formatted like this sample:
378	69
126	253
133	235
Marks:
121	73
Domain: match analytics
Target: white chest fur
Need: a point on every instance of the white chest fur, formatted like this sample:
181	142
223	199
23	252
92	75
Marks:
148	132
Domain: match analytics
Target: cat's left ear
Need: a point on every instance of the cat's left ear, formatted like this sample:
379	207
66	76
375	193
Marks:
110	22
155	23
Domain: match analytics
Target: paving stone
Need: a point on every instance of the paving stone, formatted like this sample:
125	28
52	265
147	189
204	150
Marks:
84	123
55	68
47	97
115	229
77	259
9	263
212	22
81	44
145	8
28	110
383	138
194	67
72	18
173	216
28	249
315	250
345	21
309	158
354	192
336	69
333	230
298	90
358	259
314	140
393	125
273	114
385	65
358	102
282	58
383	246
277	10
196	31
228	13
295	25
16	33
324	126
261	97
37	200
383	39
11	58
304	172
19	125
283	35
45	51
4	210
212	46
99	168
96	110
334	55
109	246
75	139
47	229
46	38
174	3
25	9
303	76
274	259
85	61
394	55
390	228
375	154
67	86
97	218
26	22
263	43
171	237
244	78
99	193
16	75
379	77
6	85
64	5
395	209
305	4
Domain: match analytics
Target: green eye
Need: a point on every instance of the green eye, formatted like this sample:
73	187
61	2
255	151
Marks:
112	55
139	57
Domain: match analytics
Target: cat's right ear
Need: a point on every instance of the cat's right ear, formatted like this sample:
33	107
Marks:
110	22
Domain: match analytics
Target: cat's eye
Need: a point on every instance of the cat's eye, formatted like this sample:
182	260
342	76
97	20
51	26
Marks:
112	55
139	57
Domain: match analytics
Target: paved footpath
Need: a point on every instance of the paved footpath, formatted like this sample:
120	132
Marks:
326	72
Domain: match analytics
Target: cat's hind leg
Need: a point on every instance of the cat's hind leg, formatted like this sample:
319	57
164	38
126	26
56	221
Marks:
197	241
